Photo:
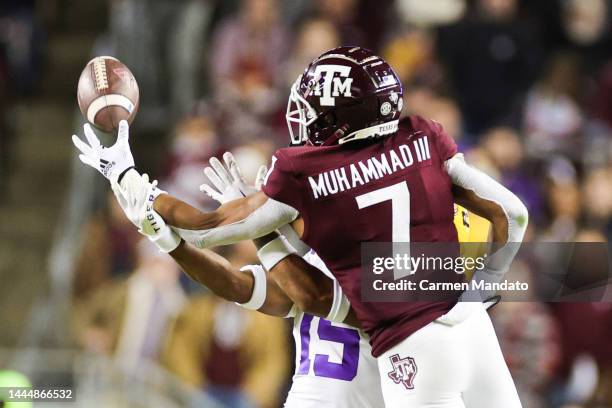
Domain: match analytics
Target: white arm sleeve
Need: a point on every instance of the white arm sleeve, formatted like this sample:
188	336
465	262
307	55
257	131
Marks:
267	218
485	187
293	239
340	306
260	286
274	252
258	298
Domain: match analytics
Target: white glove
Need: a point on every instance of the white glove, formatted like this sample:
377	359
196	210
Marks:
229	185
110	161
136	196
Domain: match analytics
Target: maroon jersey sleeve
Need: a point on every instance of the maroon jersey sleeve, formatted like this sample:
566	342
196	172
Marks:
444	144
447	147
281	182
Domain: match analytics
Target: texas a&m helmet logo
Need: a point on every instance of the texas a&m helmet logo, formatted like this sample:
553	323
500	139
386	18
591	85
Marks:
404	371
336	82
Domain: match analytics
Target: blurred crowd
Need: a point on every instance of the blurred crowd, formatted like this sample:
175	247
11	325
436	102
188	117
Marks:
524	87
21	42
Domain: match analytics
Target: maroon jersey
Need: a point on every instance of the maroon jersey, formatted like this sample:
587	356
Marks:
376	190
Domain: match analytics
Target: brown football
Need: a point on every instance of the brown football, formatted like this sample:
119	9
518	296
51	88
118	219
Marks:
107	93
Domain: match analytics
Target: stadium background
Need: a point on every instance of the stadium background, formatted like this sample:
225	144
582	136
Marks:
525	87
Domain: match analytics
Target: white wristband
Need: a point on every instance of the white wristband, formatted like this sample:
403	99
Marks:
260	286
340	306
274	252
159	232
167	240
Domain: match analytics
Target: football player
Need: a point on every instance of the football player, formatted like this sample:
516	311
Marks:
366	176
334	364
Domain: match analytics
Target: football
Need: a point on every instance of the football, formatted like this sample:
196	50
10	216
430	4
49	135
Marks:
107	93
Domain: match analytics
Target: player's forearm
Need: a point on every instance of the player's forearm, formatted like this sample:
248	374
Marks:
489	210
239	220
179	214
182	215
486	197
277	303
312	291
227	282
305	285
214	272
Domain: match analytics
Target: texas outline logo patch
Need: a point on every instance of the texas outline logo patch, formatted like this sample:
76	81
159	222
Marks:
404	371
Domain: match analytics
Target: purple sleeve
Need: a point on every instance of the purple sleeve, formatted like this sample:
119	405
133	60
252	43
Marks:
281	183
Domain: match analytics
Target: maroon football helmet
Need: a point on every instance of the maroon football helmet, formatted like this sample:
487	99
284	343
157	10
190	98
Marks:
346	94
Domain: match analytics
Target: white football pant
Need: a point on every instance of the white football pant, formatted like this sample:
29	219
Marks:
449	366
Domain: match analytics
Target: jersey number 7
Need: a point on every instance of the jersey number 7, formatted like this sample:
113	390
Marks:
400	207
400	215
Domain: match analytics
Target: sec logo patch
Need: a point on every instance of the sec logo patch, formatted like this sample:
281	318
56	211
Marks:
385	108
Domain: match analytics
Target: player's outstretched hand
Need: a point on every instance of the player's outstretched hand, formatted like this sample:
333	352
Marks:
136	196
132	196
227	182
110	161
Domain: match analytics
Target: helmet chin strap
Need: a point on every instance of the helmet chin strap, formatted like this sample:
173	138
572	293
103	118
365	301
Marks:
338	134
381	129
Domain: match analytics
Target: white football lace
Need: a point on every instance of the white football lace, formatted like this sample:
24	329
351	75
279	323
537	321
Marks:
99	66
